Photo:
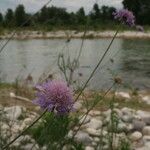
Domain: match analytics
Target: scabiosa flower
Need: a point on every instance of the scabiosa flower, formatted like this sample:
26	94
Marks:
55	95
125	16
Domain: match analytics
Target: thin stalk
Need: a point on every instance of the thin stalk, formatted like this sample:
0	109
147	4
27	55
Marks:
91	109
100	61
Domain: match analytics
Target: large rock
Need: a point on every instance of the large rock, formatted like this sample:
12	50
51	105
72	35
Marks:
138	125
13	112
146	138
30	146
136	136
127	111
146	99
127	118
93	132
106	113
83	137
142	148
144	115
89	148
94	123
146	130
123	95
28	121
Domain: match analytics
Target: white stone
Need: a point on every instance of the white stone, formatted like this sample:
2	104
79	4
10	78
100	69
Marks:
127	118
95	113
94	123
13	112
23	126
84	119
138	125
142	148
146	138
123	95
127	111
96	139
146	130
93	132
129	127
15	129
143	114
77	105
27	121
12	95
118	111
107	113
29	146
89	148
147	145
121	127
146	99
4	127
83	137
70	134
136	136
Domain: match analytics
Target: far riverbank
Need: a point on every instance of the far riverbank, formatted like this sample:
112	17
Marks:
68	34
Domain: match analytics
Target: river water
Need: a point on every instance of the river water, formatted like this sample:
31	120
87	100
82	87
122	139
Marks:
127	58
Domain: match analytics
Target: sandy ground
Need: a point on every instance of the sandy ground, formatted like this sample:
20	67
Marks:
75	34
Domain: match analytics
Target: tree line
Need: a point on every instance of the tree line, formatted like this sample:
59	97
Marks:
58	17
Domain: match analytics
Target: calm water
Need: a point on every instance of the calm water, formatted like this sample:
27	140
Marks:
129	59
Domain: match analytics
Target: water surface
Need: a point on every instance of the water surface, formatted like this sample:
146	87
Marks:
127	58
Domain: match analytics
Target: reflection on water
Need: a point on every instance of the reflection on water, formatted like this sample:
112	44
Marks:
128	58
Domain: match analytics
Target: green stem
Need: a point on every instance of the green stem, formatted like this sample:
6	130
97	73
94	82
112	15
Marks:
100	61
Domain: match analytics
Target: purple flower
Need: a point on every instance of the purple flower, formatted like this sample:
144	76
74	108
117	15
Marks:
55	95
125	16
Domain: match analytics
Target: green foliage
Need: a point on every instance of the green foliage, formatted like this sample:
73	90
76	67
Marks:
52	131
53	17
81	18
124	145
20	16
9	17
1	18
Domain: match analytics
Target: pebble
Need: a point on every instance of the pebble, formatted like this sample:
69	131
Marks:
123	95
14	112
27	121
93	132
136	136
89	148
138	125
83	137
94	123
127	118
77	105
146	130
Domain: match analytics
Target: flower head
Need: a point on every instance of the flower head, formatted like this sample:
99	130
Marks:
125	16
54	95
